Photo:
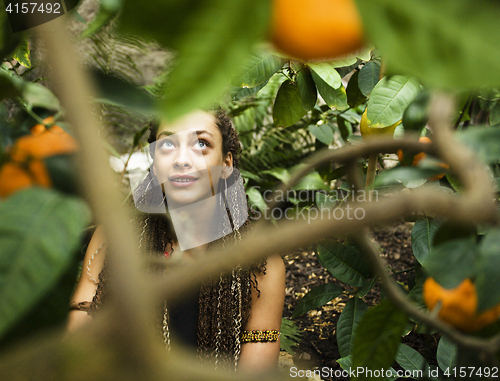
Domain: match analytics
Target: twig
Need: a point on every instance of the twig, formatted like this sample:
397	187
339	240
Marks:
370	171
265	240
402	271
129	328
390	286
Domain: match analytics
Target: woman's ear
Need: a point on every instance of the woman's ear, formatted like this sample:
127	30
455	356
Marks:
227	166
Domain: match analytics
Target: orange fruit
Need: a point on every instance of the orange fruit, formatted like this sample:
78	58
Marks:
367	131
25	166
316	29
459	305
419	156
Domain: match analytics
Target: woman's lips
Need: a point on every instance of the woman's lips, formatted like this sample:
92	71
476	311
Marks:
182	181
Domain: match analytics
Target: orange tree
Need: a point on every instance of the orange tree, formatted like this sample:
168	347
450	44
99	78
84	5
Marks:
299	123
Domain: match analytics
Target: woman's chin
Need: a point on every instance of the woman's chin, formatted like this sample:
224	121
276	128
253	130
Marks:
185	199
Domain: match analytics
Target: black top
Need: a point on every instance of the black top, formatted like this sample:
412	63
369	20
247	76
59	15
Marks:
183	319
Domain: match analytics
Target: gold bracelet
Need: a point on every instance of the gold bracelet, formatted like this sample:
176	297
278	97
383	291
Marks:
260	336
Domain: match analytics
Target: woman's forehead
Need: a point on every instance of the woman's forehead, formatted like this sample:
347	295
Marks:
198	120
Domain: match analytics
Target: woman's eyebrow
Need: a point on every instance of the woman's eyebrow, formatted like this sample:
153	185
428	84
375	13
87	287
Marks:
199	132
168	133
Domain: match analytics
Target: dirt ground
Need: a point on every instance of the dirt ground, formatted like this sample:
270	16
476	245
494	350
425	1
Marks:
318	347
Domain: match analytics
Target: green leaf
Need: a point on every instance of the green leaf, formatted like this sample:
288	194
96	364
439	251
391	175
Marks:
354	95
422	235
377	337
368	77
290	335
495	115
333	97
409	359
312	181
39	231
257	71
440	42
416	293
325	201
449	231
62	171
212	44
116	91
10	86
317	297
344	262
255	199
36	95
367	287
281	174
288	108
8	40
446	353
389	99
485	142
410	177
452	261
22	53
108	9
344	128
326	71
345	362
307	89
349	319
322	132
487	280
239	93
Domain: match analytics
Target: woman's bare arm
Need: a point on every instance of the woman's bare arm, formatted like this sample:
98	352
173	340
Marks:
87	285
265	314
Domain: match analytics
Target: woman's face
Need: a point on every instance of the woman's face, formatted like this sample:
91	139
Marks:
188	158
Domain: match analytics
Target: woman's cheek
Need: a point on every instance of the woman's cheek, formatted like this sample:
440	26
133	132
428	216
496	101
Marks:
160	171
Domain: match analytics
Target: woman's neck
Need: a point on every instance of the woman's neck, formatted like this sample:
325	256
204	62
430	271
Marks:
194	223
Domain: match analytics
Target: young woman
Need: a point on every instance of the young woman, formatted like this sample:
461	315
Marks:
235	318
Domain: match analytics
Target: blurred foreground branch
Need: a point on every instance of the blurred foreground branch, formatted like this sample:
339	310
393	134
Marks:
73	87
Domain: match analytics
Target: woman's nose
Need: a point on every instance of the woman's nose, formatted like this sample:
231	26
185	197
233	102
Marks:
183	158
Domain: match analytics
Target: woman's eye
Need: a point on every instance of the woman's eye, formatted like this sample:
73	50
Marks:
201	144
167	144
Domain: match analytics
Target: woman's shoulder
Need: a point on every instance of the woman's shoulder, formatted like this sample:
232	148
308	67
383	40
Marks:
272	280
